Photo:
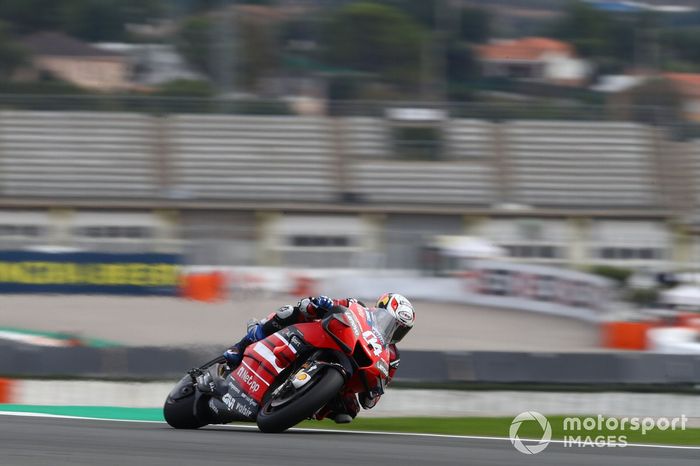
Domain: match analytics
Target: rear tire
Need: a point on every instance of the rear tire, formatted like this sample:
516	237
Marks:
289	415
180	413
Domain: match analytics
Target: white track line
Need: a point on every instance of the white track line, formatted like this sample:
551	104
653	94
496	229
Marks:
339	431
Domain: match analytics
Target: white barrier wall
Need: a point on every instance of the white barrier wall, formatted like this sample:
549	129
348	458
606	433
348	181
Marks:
395	403
511	289
547	290
674	340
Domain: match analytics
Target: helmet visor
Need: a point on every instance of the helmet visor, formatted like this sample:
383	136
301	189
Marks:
399	333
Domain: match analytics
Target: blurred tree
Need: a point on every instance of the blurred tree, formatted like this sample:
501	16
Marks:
474	25
685	19
618	274
256	51
343	88
185	88
92	20
139	11
194	43
681	45
614	41
12	55
301	29
258	55
422	11
204	6
461	62
643	298
621	40
587	28
31	15
196	6
376	38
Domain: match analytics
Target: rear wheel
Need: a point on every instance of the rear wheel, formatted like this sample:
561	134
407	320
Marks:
286	409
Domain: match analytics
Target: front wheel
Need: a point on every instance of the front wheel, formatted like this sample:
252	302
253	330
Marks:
179	408
180	413
279	415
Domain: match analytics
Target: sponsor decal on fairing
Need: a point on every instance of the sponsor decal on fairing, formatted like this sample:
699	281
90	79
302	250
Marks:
248	378
353	323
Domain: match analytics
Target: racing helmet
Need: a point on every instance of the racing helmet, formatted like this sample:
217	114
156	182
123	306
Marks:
401	315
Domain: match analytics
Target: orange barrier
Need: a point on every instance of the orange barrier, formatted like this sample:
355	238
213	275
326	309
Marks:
5	391
207	287
626	335
303	286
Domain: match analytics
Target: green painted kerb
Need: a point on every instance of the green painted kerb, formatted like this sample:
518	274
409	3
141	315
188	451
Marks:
99	412
91	342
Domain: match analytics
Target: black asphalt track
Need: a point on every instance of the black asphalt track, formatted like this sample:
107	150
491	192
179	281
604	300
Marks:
33	441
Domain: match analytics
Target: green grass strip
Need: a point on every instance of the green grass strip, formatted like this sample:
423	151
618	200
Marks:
500	427
475	426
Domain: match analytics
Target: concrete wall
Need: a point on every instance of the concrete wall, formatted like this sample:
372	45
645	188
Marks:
416	366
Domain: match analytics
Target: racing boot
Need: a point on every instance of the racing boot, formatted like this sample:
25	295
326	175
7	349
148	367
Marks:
345	408
234	355
342	418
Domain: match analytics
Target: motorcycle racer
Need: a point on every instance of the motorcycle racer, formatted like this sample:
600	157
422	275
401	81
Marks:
393	314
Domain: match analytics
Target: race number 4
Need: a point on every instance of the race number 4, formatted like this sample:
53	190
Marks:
371	340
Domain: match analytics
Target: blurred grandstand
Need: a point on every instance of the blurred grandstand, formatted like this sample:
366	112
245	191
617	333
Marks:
367	187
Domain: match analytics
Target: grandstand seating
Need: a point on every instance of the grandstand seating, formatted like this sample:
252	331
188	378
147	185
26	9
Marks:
468	138
366	137
379	174
256	158
76	154
580	164
694	170
423	182
100	155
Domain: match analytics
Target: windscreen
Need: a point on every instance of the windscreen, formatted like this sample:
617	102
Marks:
385	323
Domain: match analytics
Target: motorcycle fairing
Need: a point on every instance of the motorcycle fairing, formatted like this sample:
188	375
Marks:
264	360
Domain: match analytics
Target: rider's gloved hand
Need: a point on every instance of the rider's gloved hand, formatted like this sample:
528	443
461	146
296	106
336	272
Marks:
254	331
315	307
322	302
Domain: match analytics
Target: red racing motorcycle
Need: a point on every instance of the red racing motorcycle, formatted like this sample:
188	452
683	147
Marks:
303	371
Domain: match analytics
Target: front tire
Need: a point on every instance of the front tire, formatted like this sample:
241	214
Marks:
304	406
